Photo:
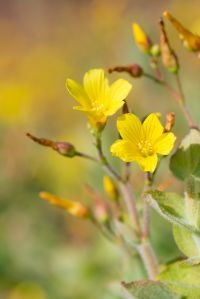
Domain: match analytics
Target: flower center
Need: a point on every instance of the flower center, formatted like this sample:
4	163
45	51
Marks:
145	148
96	106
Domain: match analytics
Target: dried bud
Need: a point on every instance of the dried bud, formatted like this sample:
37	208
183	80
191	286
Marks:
169	58
141	38
190	41
63	148
134	70
170	120
76	209
110	187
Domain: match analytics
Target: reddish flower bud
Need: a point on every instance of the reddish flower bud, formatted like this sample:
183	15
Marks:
63	148
134	70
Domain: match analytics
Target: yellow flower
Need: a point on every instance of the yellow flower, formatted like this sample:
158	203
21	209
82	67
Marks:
96	98
142	142
141	38
76	209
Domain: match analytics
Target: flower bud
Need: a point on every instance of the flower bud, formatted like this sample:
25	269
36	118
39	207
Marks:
190	41
170	120
110	187
134	70
169	58
155	50
76	209
141	38
63	148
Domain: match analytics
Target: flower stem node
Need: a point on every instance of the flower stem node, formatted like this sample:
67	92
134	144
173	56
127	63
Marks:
96	98
142	142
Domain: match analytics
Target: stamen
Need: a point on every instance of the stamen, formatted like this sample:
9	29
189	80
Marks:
145	147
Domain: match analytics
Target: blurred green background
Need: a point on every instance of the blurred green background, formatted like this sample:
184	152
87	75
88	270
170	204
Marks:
45	253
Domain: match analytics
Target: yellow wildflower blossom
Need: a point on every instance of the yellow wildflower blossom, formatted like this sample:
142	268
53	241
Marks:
96	98
142	142
141	38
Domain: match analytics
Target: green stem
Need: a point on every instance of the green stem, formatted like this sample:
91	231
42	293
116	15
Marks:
104	161
149	259
146	208
83	155
129	200
181	100
178	96
144	249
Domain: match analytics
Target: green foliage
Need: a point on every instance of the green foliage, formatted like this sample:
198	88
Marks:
171	206
186	160
183	279
187	242
147	289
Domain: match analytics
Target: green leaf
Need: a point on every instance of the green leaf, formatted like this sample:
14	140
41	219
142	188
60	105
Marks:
171	206
183	279
147	289
187	242
186	160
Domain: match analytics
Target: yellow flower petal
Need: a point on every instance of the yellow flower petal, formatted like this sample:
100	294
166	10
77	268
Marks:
152	128
77	92
148	163
96	98
118	92
96	86
129	127
165	143
125	150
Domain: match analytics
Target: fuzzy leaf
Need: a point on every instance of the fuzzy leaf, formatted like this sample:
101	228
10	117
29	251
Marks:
147	289
187	242
170	206
183	279
186	160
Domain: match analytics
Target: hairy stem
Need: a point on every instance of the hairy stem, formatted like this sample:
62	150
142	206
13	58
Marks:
149	259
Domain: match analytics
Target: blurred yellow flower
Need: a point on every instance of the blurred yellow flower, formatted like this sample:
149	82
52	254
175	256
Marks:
96	98
76	209
110	187
141	38
190	41
142	142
